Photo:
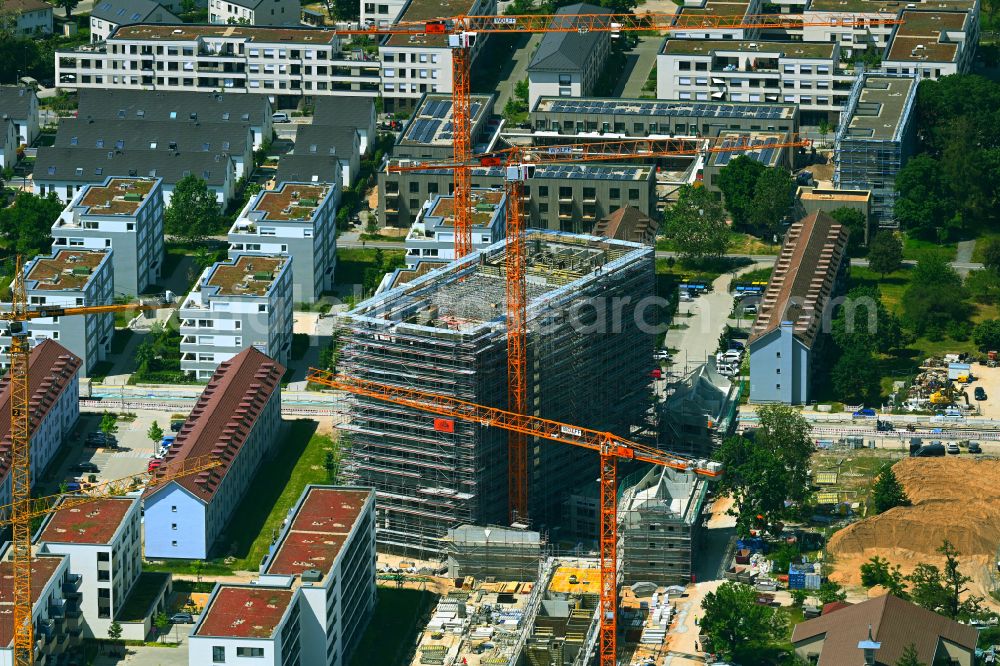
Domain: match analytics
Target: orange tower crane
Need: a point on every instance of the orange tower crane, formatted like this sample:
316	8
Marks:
462	32
610	447
518	163
20	432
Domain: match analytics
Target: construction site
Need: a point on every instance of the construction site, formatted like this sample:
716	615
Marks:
444	332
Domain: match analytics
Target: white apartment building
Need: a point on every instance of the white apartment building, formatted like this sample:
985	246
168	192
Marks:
284	63
108	15
809	75
255	12
238	420
432	235
54	399
932	44
319	579
381	12
294	220
416	64
103	542
28	17
245	301
568	64
19	104
55	609
125	215
699	12
70	278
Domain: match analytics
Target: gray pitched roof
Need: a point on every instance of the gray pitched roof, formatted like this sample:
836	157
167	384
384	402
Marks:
309	169
207	107
90	165
326	140
567	51
336	111
185	136
15	101
125	12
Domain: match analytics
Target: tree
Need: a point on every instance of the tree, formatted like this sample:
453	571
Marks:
330	465
924	205
885	253
155	433
864	322
986	335
943	591
876	571
115	631
799	597
68	5
829	592
733	618
738	182
857	226
696	224
772	200
910	657
26	226
935	297
193	212
162	623
109	423
855	376
767	468
888	492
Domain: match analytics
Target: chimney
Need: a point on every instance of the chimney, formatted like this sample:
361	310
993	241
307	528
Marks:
869	647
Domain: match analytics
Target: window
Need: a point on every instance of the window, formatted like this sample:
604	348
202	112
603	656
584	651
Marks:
777	386
249	652
173	526
564	79
173	508
218	654
173	543
684	65
777	371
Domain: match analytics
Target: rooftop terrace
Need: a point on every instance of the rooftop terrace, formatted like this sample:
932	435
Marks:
718	8
660	107
880	108
93	523
245	275
891	7
920	38
186	32
66	271
120	196
484	204
244	612
705	47
427	10
291	201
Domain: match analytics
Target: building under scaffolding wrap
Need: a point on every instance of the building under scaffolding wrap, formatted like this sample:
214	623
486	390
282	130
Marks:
443	332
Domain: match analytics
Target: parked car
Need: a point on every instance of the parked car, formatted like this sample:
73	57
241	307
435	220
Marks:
975	448
932	450
86	467
182	618
176	425
153	464
953	448
865	413
979	393
737	344
279	117
73	487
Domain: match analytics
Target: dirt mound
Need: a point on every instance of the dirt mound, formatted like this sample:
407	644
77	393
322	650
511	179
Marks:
957	499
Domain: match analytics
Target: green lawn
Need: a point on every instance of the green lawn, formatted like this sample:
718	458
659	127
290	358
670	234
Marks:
982	240
914	248
352	263
739	243
392	633
275	489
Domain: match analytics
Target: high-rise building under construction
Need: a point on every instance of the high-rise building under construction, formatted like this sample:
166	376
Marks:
591	319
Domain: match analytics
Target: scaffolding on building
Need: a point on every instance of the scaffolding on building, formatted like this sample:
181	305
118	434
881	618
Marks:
501	553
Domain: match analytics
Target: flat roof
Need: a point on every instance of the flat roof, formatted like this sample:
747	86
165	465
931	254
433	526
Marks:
484	205
825	194
880	107
431	123
588	580
110	198
244	612
92	523
291	201
661	107
65	271
717	8
891	7
918	39
187	32
762	143
318	531
245	275
782	49
418	11
620	172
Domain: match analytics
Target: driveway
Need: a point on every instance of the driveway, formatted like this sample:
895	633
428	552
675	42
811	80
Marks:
513	67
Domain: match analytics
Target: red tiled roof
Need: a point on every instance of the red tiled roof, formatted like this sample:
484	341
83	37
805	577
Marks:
627	223
244	612
51	369
93	522
42	570
223	417
318	531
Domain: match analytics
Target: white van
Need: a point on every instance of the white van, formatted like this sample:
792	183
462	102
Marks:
279	117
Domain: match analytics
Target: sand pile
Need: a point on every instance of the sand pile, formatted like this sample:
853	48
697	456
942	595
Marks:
953	498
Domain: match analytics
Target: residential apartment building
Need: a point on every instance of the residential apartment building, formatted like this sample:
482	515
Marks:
788	331
809	75
810	199
381	13
427	135
54	406
234	141
125	215
27	17
321	142
245	301
19	104
308	168
255	12
564	197
55	611
760	147
108	15
71	278
237	419
432	236
293	220
876	139
932	44
10	145
66	171
283	63
416	64
103	541
568	64
354	112
206	108
628	223
699	14
319	582
562	120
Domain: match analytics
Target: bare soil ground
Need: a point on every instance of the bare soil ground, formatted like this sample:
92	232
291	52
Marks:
953	498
